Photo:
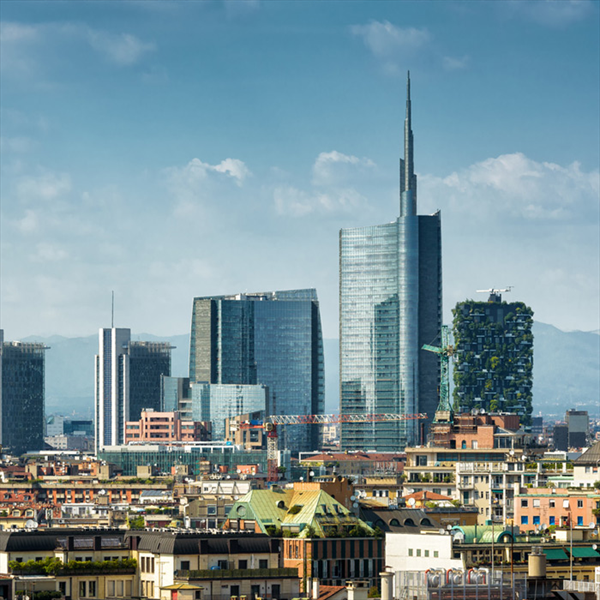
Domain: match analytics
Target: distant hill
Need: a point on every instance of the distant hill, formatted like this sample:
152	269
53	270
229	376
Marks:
566	371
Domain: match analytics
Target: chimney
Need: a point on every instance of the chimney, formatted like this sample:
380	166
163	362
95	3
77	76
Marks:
387	583
315	588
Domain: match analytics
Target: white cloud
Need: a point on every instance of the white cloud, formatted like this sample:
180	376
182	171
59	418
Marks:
17	32
386	40
452	63
29	223
335	167
515	186
46	186
290	201
123	49
48	252
553	13
16	144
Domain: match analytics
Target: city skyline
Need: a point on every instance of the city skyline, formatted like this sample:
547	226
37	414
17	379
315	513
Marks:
169	151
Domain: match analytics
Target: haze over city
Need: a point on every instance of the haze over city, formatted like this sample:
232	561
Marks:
171	150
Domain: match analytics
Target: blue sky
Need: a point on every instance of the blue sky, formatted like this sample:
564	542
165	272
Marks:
166	150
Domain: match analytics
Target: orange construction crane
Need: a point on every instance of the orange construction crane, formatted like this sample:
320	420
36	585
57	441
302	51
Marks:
270	426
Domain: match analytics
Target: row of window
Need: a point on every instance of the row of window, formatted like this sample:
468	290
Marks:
424	553
551	503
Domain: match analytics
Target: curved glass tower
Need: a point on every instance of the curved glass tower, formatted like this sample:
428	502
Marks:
390	305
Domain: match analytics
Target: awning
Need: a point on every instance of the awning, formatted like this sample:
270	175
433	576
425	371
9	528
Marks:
585	552
555	554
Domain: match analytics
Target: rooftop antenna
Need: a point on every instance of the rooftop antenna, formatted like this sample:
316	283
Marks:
112	314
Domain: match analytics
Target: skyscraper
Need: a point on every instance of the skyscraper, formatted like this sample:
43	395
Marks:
271	338
21	396
390	305
493	353
127	380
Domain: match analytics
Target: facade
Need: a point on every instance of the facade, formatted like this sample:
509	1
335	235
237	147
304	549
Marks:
21	396
273	339
127	380
165	427
213	402
390	306
493	357
578	422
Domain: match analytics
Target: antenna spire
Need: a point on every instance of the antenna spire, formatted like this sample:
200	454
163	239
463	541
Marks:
408	179
112	314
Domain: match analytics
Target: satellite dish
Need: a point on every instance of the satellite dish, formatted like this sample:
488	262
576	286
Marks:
512	452
595	546
442	531
31	524
355	505
411	501
592	525
449	527
352	498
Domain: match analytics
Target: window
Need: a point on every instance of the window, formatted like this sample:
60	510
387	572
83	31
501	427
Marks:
536	503
92	589
223	564
62	587
211	509
418	551
243	564
474	444
410	551
436	554
82	589
579	503
263	563
524	520
552	503
234	590
579	520
552	521
524	503
536	520
185	565
426	553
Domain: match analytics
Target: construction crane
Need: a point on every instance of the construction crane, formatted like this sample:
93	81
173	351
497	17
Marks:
495	295
445	351
270	426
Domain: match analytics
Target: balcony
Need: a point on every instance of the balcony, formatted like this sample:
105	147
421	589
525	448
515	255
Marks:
276	573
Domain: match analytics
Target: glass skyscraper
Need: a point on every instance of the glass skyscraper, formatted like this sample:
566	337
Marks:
390	305
21	396
271	338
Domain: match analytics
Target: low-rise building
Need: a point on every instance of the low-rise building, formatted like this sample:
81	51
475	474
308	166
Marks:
165	427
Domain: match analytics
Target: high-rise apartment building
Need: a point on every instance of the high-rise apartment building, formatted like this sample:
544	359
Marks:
578	422
271	338
127	380
493	354
390	305
21	396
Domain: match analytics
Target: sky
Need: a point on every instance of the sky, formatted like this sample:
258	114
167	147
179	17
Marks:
167	150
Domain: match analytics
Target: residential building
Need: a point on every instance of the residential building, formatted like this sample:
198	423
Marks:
165	427
21	396
560	437
350	464
213	402
390	306
586	468
127	380
247	430
537	509
270	338
493	355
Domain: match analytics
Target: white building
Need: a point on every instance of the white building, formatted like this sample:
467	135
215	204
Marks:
420	551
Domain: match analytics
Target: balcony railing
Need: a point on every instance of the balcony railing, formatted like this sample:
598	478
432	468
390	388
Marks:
275	573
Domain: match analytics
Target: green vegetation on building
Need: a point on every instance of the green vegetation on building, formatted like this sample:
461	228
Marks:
493	353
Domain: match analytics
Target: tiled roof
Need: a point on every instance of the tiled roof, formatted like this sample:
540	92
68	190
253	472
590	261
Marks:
329	591
590	457
428	496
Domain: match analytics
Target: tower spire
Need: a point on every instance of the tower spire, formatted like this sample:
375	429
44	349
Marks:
408	179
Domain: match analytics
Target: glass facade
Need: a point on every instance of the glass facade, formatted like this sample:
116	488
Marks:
22	396
390	305
273	339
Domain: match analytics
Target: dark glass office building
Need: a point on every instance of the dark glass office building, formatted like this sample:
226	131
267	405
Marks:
271	338
21	396
390	305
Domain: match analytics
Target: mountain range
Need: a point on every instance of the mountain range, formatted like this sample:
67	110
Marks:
566	371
